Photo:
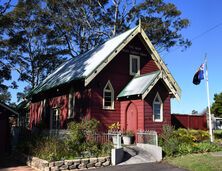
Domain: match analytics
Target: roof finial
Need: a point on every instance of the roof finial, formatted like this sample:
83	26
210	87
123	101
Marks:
140	25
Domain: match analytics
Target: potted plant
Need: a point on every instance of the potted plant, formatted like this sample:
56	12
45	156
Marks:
128	137
114	130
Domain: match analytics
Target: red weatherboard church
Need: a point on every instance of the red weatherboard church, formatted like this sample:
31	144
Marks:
123	80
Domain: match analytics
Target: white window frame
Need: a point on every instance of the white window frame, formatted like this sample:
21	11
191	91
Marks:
138	64
112	96
161	108
57	110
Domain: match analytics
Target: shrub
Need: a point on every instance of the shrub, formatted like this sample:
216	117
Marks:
105	149
78	143
51	148
206	147
185	148
169	141
218	134
183	141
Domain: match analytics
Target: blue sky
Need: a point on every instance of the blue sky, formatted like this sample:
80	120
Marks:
203	15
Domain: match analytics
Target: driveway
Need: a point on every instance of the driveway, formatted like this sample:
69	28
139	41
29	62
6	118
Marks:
10	163
141	167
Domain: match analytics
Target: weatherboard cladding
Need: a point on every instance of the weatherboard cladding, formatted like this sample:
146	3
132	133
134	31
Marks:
149	124
82	66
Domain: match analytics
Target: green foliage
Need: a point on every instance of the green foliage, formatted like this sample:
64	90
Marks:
183	141
217	134
128	133
190	135
90	125
169	141
105	149
217	105
51	149
36	36
75	145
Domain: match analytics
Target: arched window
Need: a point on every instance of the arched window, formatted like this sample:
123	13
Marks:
108	96
157	109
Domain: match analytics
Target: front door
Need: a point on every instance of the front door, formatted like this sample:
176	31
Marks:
131	118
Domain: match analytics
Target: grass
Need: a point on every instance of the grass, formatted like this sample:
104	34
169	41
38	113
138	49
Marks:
197	162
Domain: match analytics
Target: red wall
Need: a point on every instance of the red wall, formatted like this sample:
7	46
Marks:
189	121
148	107
40	112
140	114
117	71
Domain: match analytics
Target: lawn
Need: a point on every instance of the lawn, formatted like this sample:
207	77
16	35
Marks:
197	162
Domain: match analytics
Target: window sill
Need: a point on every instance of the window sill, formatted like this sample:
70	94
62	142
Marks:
157	120
108	108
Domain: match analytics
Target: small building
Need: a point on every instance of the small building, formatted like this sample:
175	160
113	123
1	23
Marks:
217	122
8	117
123	80
190	121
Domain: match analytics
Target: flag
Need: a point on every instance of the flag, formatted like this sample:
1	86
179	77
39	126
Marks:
199	75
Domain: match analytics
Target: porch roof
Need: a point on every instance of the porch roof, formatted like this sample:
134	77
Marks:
140	84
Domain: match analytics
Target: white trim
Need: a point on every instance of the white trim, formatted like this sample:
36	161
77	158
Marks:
51	116
151	85
161	65
138	64
161	108
71	104
112	96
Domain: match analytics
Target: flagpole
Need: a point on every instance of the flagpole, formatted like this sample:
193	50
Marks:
208	100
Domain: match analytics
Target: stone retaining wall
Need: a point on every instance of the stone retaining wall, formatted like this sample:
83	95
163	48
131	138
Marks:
66	165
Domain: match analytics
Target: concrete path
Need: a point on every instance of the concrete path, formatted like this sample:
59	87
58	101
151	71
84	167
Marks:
10	163
136	155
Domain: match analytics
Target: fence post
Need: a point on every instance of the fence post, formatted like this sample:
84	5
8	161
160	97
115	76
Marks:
118	141
156	138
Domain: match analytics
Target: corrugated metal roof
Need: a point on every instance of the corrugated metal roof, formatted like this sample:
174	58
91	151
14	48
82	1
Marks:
83	65
138	85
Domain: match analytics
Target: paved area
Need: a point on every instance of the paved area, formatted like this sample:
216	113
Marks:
136	155
141	167
10	163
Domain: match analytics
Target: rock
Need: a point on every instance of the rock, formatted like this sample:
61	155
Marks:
82	166
90	165
55	168
51	164
64	167
45	163
47	169
68	162
93	160
78	161
58	163
107	163
85	161
74	166
98	164
101	159
108	158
